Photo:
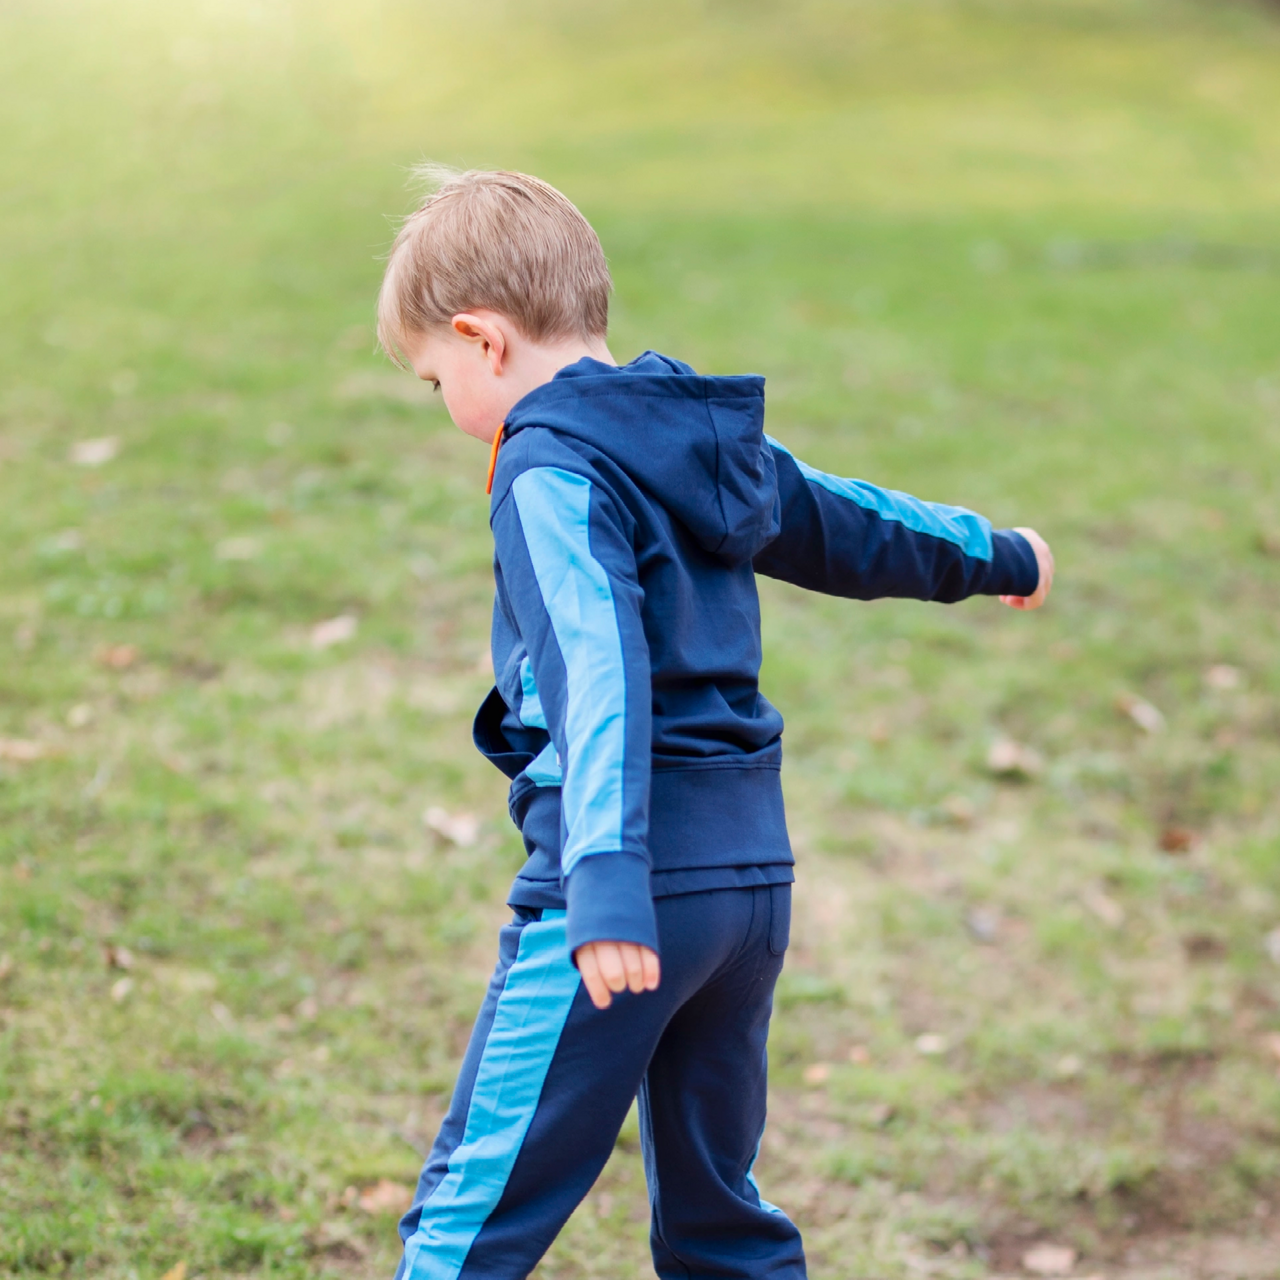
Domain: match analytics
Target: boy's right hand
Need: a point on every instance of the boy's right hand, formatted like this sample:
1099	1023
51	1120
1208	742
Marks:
1044	558
608	967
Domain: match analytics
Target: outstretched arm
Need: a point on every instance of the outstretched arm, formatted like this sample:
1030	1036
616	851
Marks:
850	538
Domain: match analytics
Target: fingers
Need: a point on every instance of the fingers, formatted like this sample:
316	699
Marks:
651	968
1046	565
609	967
589	968
642	968
612	969
633	966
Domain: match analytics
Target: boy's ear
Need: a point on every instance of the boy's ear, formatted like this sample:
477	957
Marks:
486	333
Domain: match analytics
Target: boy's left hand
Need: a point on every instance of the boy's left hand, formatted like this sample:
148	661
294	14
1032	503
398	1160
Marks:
1044	558
608	967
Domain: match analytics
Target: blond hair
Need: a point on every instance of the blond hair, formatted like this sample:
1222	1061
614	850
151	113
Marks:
502	241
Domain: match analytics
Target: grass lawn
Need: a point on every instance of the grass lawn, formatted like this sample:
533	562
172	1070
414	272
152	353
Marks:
1018	257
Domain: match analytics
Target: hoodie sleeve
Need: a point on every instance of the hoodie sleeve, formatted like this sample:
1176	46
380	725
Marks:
850	538
568	571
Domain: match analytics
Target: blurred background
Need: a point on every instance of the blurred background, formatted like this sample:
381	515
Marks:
1017	256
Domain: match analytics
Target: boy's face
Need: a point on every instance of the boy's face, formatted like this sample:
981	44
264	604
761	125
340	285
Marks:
461	364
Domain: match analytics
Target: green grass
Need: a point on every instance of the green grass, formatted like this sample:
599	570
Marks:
1017	257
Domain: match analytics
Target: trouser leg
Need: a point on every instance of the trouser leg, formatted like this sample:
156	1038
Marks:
547	1081
703	1114
546	1084
515	1037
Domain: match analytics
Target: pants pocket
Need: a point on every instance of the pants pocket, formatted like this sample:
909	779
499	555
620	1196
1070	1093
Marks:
779	917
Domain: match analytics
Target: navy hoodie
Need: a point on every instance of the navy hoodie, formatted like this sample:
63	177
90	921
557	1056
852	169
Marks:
631	510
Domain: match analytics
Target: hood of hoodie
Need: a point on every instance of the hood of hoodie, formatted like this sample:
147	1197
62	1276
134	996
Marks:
695	443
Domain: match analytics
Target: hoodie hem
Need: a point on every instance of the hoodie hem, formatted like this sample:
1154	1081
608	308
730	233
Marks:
700	820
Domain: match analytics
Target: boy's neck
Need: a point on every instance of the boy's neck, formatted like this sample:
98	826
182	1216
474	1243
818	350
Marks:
540	361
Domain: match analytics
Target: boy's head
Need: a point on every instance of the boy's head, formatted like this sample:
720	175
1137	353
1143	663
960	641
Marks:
493	271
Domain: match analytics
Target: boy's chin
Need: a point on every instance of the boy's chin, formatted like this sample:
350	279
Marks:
482	431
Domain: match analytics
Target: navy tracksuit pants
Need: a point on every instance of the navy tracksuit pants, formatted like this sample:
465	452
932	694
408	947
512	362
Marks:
548	1079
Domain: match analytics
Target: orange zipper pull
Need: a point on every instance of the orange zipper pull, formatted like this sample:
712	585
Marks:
493	457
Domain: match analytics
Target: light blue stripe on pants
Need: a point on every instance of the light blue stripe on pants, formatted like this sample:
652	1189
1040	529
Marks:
522	1039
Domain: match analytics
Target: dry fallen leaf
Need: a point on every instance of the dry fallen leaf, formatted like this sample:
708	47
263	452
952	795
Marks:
117	656
931	1044
1204	946
20	750
1107	909
1272	1044
880	1113
959	809
95	453
1069	1065
176	1272
1272	943
6	966
1049	1260
1010	759
120	989
189	981
817	1073
461	829
984	923
1175	839
860	1055
67	540
117	957
386	1196
333	631
238	549
338	1240
80	715
1222	677
1148	718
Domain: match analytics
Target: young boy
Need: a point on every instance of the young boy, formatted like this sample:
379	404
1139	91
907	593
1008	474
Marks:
631	509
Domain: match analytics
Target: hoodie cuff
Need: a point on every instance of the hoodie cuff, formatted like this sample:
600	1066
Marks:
608	900
1014	570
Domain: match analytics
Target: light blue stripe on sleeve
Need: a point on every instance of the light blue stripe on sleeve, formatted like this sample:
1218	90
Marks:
545	771
966	529
527	1023
755	1186
532	715
555	514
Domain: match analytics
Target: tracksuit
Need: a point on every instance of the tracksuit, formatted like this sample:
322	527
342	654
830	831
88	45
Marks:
631	509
